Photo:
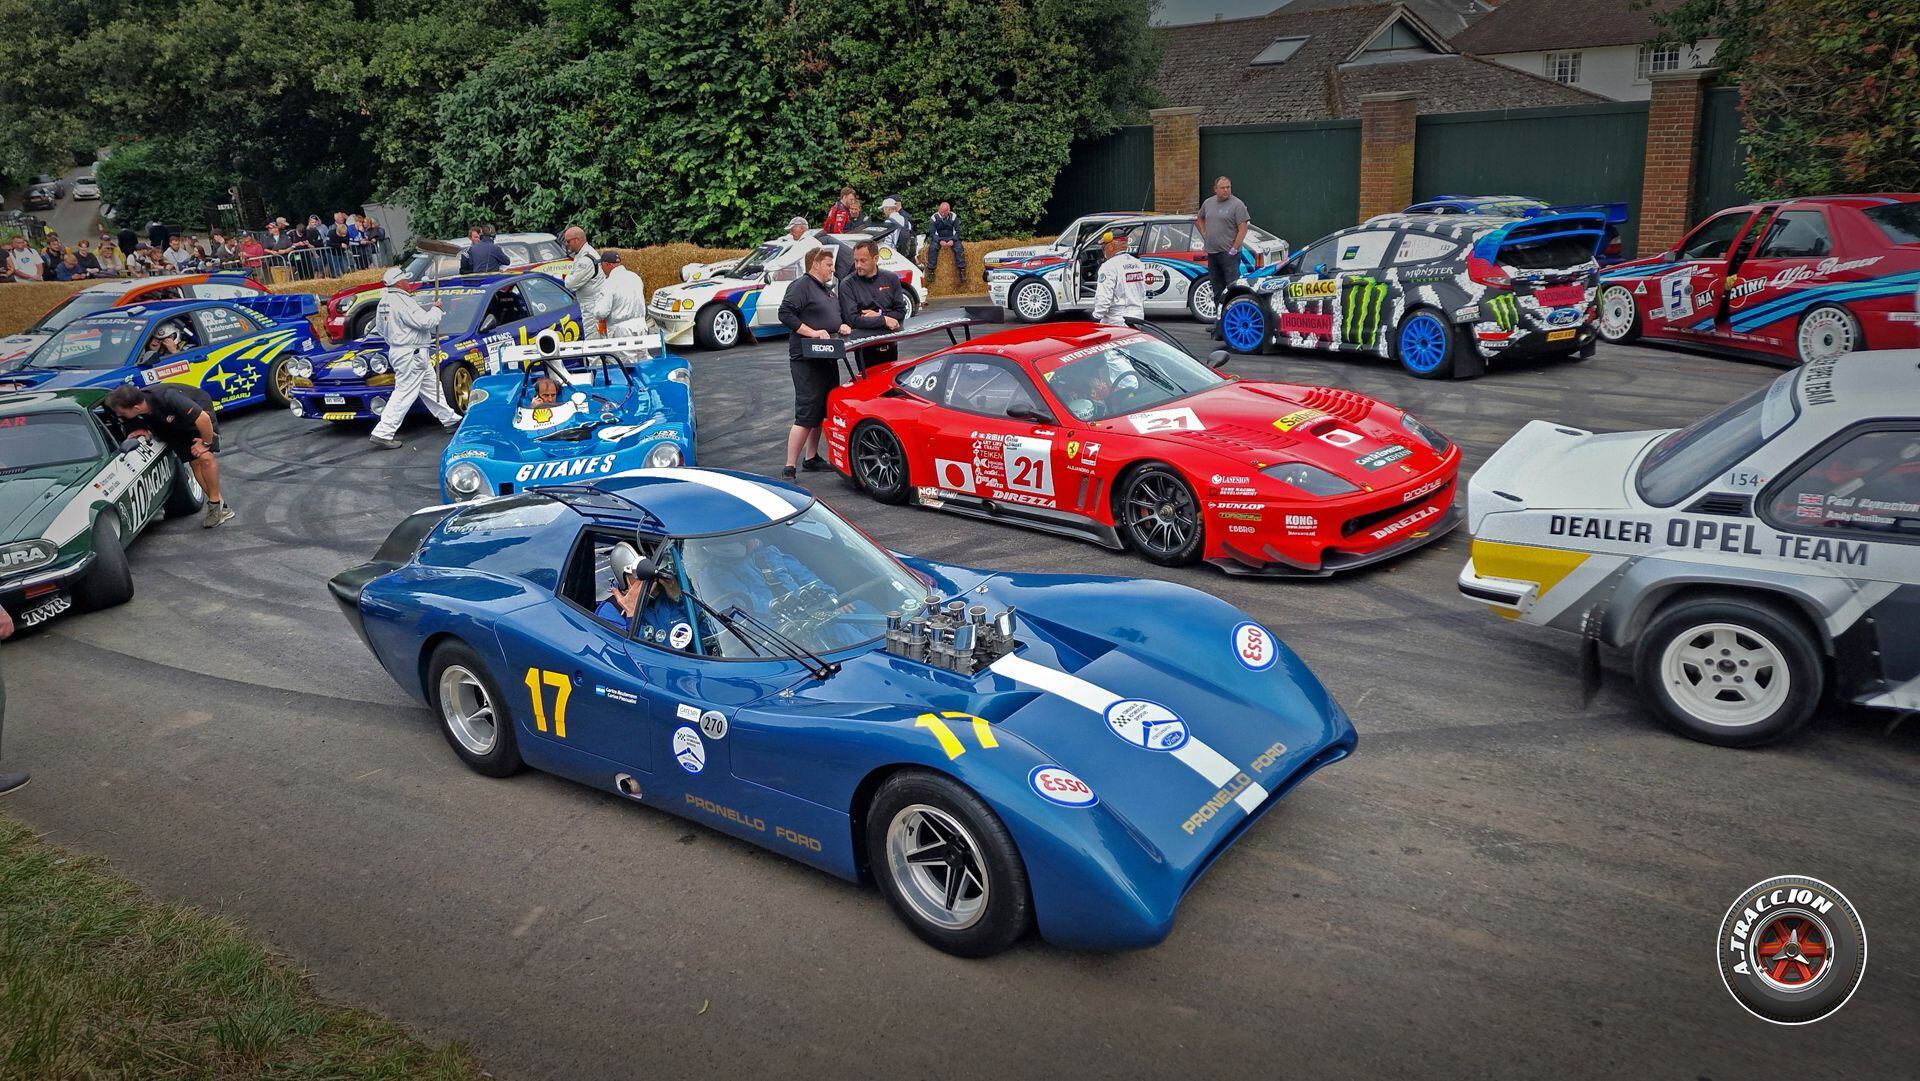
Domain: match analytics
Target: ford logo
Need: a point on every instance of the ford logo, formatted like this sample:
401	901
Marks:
1563	317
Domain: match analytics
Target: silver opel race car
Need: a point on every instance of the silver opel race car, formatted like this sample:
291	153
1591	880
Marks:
1754	561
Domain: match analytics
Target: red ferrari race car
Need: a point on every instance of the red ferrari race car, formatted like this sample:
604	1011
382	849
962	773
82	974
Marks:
1798	280
1117	436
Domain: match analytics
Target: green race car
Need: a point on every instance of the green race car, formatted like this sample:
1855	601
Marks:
73	495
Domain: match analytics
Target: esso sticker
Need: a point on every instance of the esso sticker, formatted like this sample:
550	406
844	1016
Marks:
1147	725
1254	647
688	750
1056	785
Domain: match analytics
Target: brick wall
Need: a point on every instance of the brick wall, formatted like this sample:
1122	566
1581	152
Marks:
1386	152
1673	132
1176	160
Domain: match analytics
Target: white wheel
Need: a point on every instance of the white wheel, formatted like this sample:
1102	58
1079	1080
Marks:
1725	675
1826	332
906	299
1617	315
1032	300
1200	303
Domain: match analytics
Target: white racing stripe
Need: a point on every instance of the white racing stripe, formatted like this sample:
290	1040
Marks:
1195	754
775	508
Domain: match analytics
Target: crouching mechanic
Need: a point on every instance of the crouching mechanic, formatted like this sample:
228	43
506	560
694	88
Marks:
409	331
1120	291
182	418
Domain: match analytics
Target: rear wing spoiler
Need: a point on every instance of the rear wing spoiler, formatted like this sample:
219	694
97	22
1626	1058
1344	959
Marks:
1587	224
853	362
1616	213
282	307
547	346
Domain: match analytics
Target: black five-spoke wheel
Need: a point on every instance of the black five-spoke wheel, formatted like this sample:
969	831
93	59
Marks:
878	463
1160	517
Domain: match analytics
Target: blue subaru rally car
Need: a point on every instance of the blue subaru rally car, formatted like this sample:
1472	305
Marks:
622	403
484	313
995	750
240	351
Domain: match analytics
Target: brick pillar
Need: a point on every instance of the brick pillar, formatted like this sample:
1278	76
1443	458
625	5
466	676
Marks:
1673	133
1176	160
1386	152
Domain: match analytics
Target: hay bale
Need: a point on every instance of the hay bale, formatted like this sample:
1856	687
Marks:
23	303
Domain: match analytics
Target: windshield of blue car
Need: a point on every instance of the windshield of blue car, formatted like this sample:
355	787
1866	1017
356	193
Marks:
812	577
93	344
78	306
1687	460
35	440
1125	377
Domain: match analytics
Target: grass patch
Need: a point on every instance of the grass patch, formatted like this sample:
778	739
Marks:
98	981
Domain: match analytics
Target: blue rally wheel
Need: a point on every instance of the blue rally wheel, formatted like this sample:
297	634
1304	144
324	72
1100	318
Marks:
1424	345
1244	326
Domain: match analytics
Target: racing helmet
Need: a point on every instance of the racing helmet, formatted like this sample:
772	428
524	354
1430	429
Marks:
623	560
393	275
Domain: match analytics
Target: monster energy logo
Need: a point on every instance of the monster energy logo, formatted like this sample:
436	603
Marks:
1361	302
1504	309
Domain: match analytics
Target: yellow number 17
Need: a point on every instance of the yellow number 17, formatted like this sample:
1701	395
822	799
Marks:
950	743
536	677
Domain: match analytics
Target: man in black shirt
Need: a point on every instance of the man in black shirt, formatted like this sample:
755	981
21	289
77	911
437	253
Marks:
810	310
872	300
182	418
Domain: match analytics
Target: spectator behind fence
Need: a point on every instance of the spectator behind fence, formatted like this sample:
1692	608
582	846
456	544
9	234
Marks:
222	249
943	234
89	262
338	241
276	242
157	235
140	261
67	269
251	250
129	240
111	265
23	263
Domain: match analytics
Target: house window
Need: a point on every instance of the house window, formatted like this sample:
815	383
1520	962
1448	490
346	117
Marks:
1397	36
1655	59
1280	51
1564	68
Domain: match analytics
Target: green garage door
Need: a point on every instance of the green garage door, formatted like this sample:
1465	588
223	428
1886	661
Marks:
1113	172
1299	181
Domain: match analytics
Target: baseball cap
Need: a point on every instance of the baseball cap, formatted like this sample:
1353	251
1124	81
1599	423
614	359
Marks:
609	256
801	222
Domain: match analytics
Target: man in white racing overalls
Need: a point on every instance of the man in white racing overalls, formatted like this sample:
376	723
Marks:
583	280
409	331
1120	291
625	297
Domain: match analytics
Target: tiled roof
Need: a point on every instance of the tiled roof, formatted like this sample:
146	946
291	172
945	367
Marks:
1525	26
1209	65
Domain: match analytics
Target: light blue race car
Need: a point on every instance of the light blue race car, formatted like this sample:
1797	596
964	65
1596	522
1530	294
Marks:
565	411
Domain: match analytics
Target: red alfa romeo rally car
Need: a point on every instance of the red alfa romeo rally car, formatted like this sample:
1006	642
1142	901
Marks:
1117	436
1800	280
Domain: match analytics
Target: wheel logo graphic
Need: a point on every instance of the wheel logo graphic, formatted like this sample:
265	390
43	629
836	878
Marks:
1792	950
1147	725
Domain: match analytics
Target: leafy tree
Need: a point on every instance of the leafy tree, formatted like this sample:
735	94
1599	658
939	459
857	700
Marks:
159	179
1733	22
41	121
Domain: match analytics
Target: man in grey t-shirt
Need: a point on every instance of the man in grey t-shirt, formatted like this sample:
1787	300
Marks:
1223	228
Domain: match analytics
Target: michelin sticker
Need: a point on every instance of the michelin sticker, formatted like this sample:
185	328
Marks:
688	750
1055	785
713	724
1253	647
1147	725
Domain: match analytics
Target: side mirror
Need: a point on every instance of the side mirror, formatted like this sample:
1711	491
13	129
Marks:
1319	268
1028	413
1669	256
1217	358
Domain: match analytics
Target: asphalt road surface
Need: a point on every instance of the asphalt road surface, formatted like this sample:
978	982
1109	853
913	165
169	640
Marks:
74	219
1499	884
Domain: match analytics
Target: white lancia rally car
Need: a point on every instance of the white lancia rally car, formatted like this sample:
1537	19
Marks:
1754	561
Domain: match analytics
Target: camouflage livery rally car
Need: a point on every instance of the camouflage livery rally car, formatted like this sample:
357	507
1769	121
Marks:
1440	293
1753	561
73	495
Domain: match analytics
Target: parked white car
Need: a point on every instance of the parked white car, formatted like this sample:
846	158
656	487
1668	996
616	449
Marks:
86	187
1756	561
719	305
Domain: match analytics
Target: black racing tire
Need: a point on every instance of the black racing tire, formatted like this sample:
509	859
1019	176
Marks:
719	326
1617	318
360	322
456	385
456	678
1159	516
1791	915
1425	345
109	582
186	496
1712	669
914	804
1200	301
1826	332
1040	310
878	463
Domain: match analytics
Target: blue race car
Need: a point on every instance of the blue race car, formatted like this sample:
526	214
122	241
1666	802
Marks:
484	313
1526	206
240	351
995	750
617	403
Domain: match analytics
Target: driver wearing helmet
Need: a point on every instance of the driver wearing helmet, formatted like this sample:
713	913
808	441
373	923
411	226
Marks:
627	589
661	604
166	342
1112	378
